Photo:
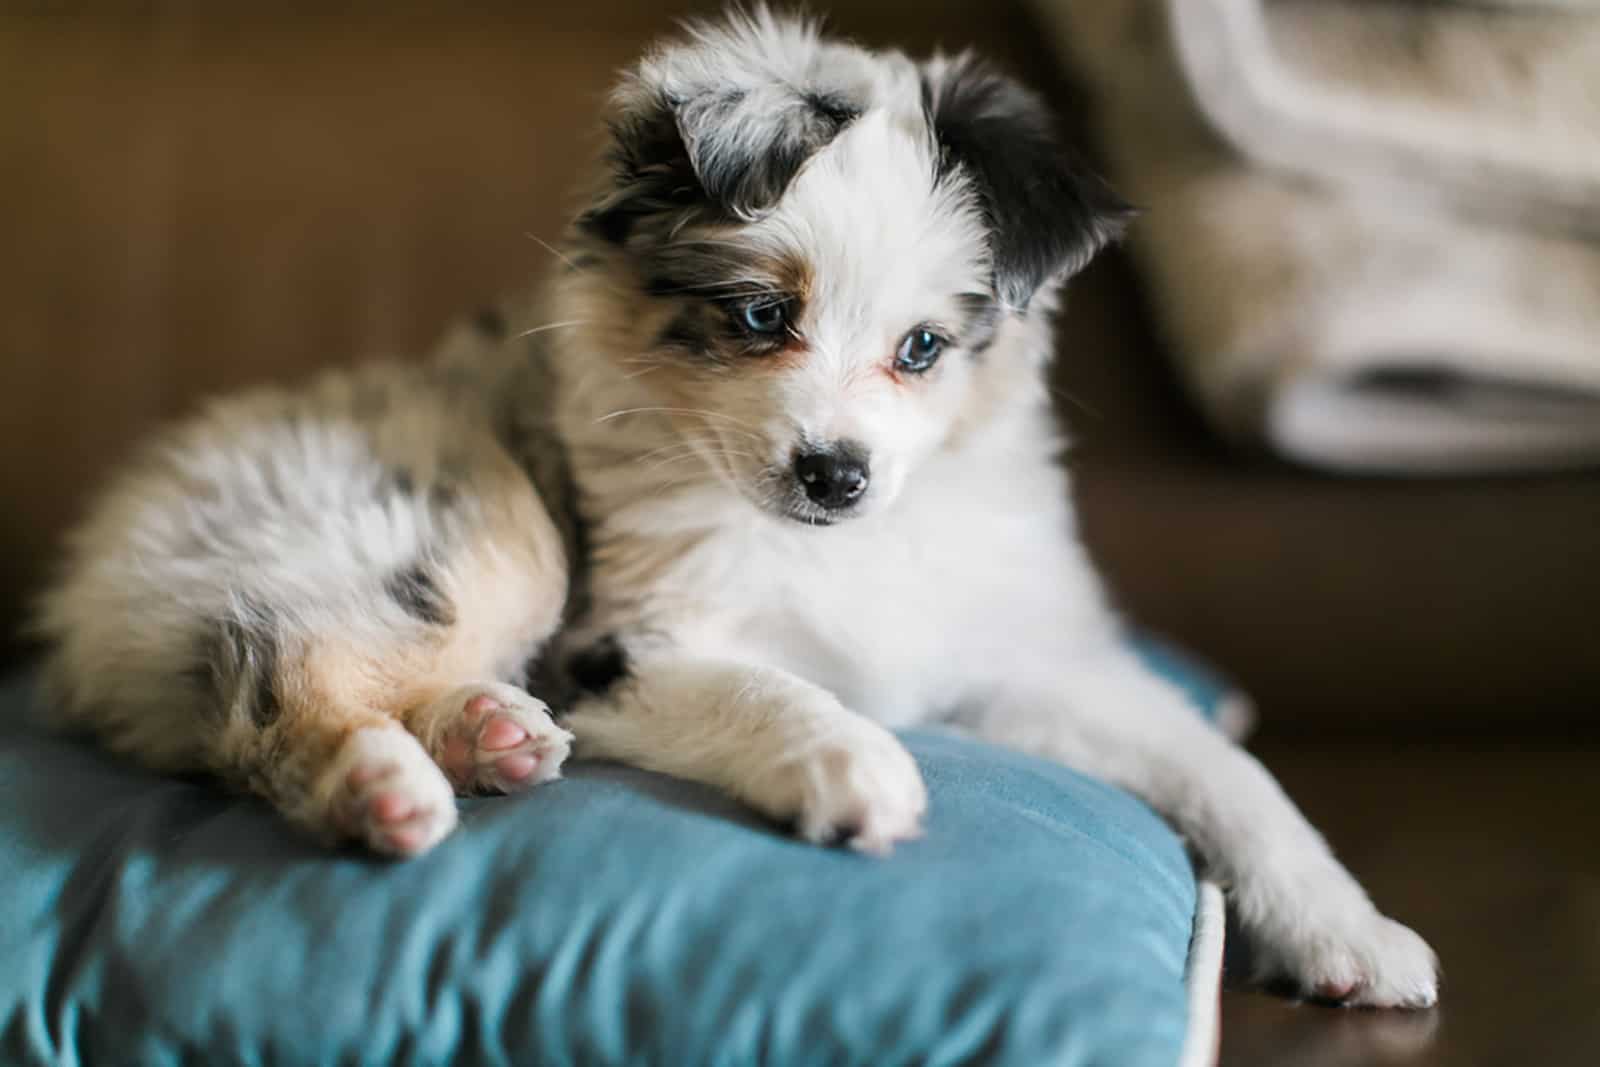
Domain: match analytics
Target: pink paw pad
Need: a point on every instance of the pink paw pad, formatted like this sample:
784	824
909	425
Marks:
500	733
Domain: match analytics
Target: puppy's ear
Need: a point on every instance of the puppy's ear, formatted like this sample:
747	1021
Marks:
726	117
747	144
1047	213
734	150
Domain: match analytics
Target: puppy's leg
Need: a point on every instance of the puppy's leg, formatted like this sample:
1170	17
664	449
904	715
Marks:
781	745
1308	918
367	735
328	765
381	719
354	743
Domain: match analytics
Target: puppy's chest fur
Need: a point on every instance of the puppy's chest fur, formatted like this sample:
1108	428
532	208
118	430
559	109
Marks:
900	615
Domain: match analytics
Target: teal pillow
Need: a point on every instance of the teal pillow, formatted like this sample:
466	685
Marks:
613	917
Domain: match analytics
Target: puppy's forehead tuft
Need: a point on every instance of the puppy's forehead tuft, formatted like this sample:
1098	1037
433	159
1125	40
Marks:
762	58
731	112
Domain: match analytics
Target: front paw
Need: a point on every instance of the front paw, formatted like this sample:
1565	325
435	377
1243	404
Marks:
1337	947
857	786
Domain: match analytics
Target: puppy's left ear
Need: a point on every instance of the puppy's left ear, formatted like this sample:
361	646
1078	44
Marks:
1047	213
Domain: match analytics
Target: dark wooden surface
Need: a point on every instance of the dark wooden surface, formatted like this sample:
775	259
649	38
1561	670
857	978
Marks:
1493	854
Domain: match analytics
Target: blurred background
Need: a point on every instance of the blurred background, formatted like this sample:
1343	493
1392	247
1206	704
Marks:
1336	403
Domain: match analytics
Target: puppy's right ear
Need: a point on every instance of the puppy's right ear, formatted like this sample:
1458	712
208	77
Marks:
1048	214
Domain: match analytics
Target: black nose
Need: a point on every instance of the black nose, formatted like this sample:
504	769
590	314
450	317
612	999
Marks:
833	478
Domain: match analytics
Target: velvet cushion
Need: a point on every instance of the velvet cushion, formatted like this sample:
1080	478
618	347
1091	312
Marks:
613	917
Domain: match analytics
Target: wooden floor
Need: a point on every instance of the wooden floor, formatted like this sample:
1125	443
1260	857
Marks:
1493	854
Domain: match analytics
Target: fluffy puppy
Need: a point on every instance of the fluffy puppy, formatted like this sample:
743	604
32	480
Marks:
786	403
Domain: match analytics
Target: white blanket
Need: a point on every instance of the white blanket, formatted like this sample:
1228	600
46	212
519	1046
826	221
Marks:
1372	229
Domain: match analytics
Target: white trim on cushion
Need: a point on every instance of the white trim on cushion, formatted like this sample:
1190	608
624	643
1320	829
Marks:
1202	1044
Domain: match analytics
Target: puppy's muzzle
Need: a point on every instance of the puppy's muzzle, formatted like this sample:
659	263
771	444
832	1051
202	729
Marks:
833	477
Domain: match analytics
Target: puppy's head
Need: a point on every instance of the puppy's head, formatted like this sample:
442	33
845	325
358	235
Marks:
802	251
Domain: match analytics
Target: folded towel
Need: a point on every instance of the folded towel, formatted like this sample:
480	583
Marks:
1493	112
1368	226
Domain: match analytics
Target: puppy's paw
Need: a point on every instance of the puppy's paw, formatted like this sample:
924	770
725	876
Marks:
384	791
498	739
857	786
1343	950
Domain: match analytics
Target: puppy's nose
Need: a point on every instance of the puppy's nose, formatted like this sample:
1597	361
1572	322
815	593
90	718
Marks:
834	477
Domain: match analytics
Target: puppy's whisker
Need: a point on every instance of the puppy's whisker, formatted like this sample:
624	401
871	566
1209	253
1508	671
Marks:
552	249
676	446
708	449
550	326
1081	405
677	483
702	412
705	446
670	461
708	458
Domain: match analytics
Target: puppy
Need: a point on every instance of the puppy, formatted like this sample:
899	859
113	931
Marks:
771	471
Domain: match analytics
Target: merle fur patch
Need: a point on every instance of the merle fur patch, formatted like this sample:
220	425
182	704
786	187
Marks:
416	590
239	659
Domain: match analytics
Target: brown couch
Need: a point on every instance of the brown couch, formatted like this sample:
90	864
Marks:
192	203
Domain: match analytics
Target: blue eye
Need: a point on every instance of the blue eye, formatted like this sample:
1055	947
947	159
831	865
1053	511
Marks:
766	316
919	350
